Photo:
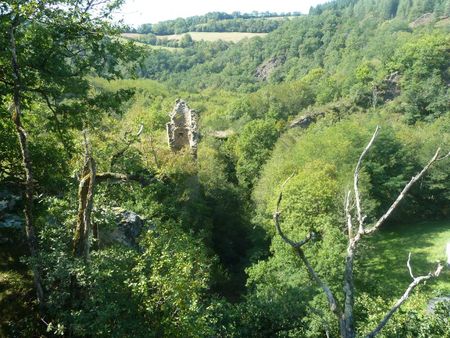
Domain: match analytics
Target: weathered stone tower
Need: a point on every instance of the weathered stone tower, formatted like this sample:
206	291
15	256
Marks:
182	130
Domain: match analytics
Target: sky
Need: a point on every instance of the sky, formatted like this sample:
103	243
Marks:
137	12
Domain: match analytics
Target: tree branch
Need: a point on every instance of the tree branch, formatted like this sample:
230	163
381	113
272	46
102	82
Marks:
416	281
402	194
334	307
356	180
128	143
348	216
85	204
408	264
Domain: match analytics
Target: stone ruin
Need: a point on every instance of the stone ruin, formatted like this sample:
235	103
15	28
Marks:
182	130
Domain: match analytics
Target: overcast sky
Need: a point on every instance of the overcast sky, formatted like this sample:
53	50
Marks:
136	12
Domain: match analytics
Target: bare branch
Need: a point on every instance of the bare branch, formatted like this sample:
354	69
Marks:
408	264
443	157
356	181
334	307
141	129
347	326
416	281
100	177
348	215
408	186
276	218
345	316
128	143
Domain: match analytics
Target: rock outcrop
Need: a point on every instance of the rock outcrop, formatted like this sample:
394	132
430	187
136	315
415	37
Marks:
388	89
424	19
222	134
182	130
126	230
432	303
10	210
305	120
267	67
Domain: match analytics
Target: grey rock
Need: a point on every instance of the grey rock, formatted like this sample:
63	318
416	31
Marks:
127	229
305	120
10	210
424	19
11	221
434	301
388	89
267	67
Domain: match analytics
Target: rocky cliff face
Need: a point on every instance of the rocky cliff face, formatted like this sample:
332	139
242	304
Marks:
267	67
182	130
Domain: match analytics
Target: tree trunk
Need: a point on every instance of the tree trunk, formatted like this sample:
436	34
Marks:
26	163
85	205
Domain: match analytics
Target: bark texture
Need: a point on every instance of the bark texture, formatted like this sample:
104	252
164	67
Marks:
85	204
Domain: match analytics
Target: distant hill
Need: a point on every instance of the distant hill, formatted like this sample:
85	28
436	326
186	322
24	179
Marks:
255	22
336	36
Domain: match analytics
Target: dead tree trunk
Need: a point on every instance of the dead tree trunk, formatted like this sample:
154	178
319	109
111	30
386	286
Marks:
345	314
85	204
86	189
26	163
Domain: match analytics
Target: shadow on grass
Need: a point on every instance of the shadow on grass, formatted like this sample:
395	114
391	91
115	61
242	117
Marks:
381	264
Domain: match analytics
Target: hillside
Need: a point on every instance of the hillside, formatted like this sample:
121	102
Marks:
218	22
225	175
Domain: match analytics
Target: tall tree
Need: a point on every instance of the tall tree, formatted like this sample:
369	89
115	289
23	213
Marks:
47	48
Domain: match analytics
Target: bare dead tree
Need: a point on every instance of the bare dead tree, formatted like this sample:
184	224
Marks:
85	204
89	178
345	314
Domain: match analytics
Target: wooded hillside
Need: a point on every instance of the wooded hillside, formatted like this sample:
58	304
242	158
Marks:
291	184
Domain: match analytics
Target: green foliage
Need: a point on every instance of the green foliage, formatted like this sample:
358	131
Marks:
409	321
253	148
209	263
156	290
425	66
310	203
388	166
218	22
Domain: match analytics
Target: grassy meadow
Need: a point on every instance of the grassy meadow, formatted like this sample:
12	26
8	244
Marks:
215	36
382	263
205	36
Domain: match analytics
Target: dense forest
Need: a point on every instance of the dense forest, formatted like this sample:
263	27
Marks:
295	184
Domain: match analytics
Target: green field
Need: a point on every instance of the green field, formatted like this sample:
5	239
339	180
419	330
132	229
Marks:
201	36
133	37
382	263
213	36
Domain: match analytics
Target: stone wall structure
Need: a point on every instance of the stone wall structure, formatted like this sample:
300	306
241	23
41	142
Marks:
182	130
